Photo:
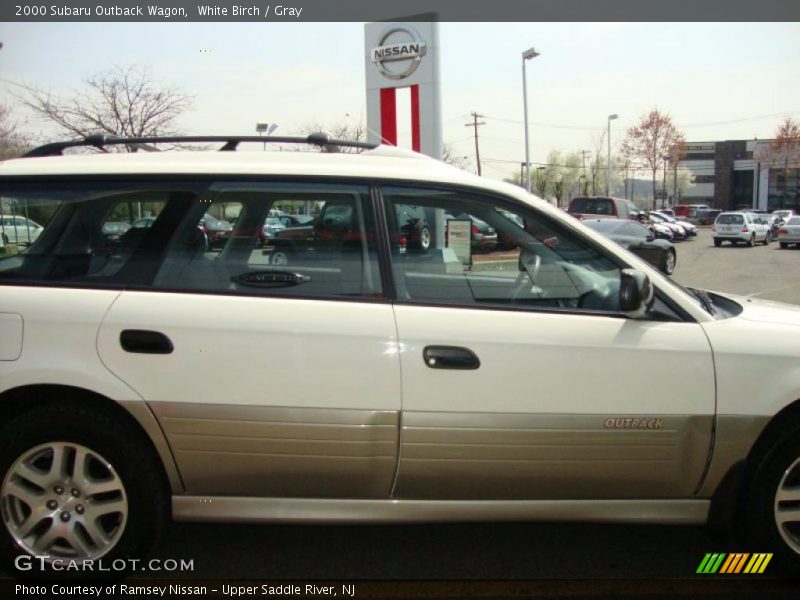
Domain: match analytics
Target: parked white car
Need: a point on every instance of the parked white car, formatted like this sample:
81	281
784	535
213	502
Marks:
15	229
789	233
735	227
785	215
406	384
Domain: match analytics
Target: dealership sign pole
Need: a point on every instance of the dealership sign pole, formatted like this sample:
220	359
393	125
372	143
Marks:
404	55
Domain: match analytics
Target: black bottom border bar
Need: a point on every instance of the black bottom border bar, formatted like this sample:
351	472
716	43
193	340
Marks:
705	588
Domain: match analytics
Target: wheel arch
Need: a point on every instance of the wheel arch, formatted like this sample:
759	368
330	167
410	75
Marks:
135	414
728	502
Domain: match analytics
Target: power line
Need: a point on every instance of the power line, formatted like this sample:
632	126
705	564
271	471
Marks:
586	128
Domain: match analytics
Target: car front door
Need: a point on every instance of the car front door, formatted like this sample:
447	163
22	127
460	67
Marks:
270	380
521	378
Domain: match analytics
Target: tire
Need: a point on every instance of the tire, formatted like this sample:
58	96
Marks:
783	245
670	260
280	257
752	241
424	239
717	242
768	238
119	465
770	497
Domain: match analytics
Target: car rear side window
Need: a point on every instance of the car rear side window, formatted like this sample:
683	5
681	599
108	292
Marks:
106	234
592	206
234	241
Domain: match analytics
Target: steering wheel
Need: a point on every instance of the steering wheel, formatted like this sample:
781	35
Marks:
525	283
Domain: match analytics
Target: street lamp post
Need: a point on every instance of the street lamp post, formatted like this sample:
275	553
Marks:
263	128
608	173
526	56
664	184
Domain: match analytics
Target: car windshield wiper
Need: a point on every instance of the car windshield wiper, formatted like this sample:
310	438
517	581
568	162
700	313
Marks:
704	299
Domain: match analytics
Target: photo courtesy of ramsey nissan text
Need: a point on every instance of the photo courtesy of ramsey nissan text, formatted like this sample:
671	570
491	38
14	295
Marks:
447	299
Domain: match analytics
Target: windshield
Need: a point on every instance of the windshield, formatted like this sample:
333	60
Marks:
603	225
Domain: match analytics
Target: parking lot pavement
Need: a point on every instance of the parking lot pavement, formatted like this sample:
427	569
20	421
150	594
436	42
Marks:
766	272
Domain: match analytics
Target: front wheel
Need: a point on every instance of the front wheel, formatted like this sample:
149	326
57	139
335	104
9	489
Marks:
77	485
670	260
752	241
783	245
768	238
773	516
717	242
424	239
280	257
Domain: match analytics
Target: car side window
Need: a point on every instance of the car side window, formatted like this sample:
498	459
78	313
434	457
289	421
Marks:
82	233
332	253
484	251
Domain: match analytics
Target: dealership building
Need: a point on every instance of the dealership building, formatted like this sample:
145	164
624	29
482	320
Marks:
736	174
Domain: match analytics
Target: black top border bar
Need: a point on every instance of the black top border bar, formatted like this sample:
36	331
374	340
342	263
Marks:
383	10
100	141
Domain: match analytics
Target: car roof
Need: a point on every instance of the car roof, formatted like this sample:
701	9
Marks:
383	161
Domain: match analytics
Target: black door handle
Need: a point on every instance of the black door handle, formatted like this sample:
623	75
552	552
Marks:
450	357
141	341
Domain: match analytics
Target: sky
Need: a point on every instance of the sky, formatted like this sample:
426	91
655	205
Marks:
718	81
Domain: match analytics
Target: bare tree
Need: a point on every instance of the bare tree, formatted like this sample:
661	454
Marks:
344	131
449	156
651	139
123	101
12	142
783	152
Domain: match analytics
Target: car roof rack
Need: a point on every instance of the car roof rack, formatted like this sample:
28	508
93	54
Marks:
231	142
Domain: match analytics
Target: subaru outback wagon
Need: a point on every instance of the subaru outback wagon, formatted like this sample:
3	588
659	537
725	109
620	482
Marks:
407	382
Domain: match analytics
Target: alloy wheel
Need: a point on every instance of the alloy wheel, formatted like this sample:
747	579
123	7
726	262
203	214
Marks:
65	501
787	506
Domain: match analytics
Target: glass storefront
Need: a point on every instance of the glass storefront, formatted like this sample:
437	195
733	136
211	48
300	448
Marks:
784	189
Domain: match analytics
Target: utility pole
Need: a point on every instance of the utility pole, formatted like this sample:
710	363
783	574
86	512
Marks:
585	179
475	123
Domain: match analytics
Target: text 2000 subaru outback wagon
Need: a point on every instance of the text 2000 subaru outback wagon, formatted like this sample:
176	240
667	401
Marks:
363	377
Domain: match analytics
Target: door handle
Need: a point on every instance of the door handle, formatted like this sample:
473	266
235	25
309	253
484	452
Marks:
142	341
450	357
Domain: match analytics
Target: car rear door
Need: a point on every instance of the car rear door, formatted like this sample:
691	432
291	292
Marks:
521	379
267	380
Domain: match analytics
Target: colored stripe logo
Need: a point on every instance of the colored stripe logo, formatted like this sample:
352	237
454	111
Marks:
736	562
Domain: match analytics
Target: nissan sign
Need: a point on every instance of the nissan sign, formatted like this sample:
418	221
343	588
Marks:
399	52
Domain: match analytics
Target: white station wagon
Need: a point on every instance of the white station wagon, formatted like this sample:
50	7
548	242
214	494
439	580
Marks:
367	375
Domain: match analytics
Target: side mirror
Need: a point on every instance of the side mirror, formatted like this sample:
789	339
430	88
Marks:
635	293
